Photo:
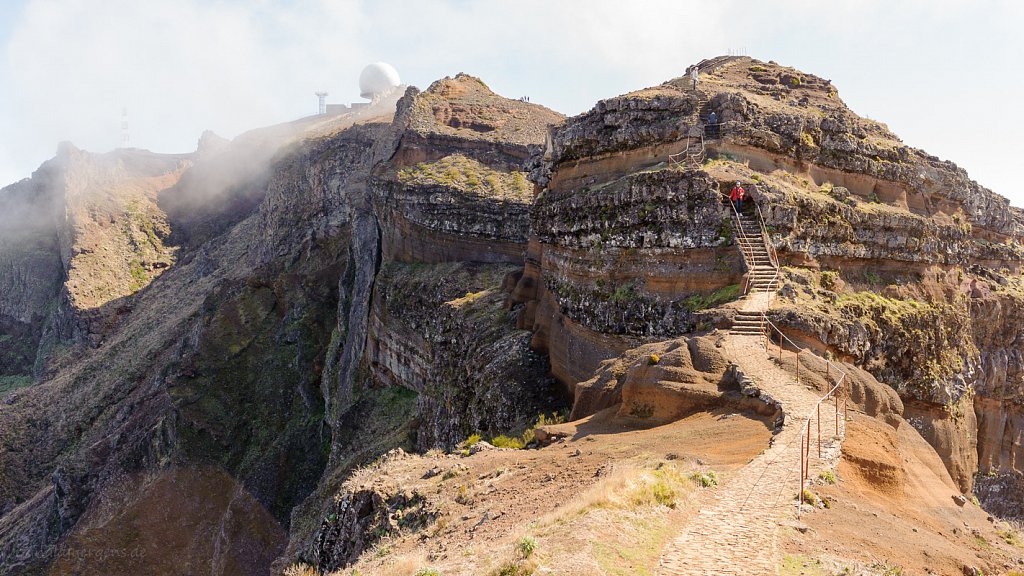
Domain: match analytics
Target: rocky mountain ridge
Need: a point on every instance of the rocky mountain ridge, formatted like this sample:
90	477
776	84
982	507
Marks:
454	263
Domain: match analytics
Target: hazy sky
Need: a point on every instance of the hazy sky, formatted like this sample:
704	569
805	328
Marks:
945	75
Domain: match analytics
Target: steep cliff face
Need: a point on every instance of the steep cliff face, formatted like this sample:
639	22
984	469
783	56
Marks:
33	272
900	262
78	239
627	246
455	188
450	199
451	263
443	331
453	201
215	365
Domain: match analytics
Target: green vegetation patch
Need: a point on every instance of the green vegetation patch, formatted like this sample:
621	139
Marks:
636	557
11	383
708	479
716	298
526	546
512	568
921	343
829	280
518	442
503	441
468	175
872	305
1011	537
798	564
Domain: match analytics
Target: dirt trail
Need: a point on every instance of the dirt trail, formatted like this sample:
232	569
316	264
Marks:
736	532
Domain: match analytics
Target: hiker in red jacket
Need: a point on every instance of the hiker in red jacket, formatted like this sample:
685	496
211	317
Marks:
736	196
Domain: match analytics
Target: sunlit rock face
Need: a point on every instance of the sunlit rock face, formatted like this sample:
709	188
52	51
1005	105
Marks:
900	262
212	312
253	321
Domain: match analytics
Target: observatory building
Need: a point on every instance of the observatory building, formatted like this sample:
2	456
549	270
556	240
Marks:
376	82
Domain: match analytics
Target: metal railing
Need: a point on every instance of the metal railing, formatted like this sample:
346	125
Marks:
746	248
693	154
768	329
767	326
842	384
773	256
745	244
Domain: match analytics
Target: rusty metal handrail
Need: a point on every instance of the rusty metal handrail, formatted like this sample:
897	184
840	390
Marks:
746	249
815	413
773	256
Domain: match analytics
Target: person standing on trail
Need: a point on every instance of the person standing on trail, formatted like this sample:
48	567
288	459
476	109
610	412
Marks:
713	124
736	196
694	73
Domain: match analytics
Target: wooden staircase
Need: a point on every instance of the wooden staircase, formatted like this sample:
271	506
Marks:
694	154
748	323
762	272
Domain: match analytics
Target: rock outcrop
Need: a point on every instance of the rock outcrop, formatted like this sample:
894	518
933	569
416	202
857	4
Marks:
455	188
452	262
213	359
443	331
366	513
666	381
900	263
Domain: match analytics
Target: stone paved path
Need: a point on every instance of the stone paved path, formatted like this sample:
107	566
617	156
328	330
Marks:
735	533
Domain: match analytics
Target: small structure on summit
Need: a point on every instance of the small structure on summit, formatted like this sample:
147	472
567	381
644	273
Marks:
376	82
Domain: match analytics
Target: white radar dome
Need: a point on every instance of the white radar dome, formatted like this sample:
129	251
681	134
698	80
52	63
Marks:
377	79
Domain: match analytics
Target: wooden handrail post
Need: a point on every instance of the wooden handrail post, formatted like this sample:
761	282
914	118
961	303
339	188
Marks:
780	345
801	473
846	400
807	460
819	429
837	413
798	366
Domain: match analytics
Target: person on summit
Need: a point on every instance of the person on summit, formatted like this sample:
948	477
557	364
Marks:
736	196
694	73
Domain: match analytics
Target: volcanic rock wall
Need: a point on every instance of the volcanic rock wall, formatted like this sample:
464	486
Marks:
915	267
385	280
214	360
899	262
